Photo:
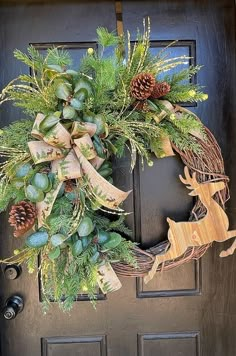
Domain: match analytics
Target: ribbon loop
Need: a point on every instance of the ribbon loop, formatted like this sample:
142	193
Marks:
70	154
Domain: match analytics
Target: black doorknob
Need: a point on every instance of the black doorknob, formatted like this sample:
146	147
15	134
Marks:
14	305
12	271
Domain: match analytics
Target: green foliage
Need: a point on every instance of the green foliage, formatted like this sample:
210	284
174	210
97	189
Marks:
106	38
16	135
180	137
183	75
9	195
32	101
136	132
38	62
104	74
32	59
184	91
58	56
187	124
36	92
123	252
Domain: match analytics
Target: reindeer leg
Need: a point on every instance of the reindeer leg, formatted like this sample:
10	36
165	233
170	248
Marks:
232	248
229	250
152	271
159	259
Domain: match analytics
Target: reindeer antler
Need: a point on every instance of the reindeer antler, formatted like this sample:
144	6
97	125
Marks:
191	181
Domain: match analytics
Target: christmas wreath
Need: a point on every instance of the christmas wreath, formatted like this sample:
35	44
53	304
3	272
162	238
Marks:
56	171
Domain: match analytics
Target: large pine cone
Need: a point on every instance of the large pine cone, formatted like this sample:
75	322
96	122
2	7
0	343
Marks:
142	85
160	89
22	216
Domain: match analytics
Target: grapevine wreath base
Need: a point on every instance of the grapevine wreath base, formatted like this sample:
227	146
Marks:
209	166
56	170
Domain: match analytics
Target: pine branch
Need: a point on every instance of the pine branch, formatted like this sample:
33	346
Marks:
106	38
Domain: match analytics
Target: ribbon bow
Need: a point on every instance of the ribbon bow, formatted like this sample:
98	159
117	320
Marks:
72	155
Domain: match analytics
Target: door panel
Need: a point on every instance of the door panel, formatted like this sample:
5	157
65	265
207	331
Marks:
187	311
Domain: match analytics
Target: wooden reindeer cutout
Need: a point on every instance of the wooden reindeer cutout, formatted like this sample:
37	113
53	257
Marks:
212	227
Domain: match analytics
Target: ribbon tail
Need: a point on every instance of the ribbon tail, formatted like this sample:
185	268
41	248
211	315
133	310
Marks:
44	208
107	195
107	279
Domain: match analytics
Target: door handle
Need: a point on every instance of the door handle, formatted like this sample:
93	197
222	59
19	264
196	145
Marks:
13	306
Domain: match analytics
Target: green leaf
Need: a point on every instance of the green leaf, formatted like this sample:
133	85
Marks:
94	258
81	94
100	122
55	67
86	240
63	91
71	72
68	112
85	227
57	239
88	116
41	181
103	237
106	172
55	253
23	170
77	248
77	104
114	240
99	147
37	239
83	83
48	122
34	194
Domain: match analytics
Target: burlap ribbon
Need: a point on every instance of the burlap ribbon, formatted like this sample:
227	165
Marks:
72	156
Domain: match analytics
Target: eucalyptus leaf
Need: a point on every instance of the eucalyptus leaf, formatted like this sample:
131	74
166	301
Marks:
48	122
63	91
77	104
55	67
34	194
85	227
77	248
41	181
23	170
57	239
68	112
83	83
37	239
55	253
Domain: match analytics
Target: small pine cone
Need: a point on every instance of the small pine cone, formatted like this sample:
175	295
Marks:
141	105
22	216
69	186
160	89
142	86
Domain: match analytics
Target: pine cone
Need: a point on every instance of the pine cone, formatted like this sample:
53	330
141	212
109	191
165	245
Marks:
160	89
22	216
69	186
141	105
142	85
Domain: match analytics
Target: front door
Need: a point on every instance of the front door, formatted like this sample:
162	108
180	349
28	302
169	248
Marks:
188	311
